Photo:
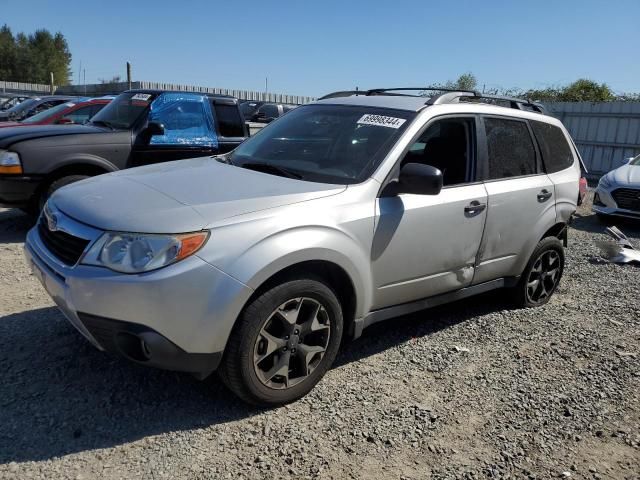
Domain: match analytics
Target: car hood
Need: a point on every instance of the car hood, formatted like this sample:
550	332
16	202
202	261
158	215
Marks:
181	196
9	136
626	175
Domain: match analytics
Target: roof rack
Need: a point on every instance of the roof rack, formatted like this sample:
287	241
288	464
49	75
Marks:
386	91
464	96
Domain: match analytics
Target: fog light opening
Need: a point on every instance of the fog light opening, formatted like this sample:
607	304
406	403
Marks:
133	347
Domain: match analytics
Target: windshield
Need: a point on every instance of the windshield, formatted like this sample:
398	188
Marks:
39	117
24	106
124	110
325	143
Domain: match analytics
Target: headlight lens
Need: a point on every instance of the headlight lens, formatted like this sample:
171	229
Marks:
10	162
137	253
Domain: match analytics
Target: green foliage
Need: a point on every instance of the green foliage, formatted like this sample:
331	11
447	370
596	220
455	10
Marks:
466	81
31	58
582	90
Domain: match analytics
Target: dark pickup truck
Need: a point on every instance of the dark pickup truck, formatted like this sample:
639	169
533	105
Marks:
138	127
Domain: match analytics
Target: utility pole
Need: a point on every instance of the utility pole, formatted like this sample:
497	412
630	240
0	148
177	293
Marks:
51	90
84	76
79	72
129	75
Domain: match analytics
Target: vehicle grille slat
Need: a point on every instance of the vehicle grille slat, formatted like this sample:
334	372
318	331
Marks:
67	248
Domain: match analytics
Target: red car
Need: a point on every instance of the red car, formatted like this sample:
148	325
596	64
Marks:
64	114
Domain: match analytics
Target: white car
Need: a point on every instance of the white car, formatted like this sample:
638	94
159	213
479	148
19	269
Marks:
618	192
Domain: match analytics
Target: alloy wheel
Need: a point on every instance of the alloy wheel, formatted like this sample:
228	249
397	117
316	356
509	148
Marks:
544	276
291	343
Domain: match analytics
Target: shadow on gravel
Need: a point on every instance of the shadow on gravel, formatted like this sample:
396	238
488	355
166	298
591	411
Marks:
14	225
59	395
590	223
393	332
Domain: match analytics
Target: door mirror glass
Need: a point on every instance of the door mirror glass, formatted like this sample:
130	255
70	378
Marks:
419	179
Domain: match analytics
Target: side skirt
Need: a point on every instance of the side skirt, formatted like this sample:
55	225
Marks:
404	309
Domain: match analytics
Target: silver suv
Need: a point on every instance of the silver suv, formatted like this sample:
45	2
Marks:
340	214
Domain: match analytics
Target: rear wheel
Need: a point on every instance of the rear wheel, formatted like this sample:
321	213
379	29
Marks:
55	185
541	275
285	341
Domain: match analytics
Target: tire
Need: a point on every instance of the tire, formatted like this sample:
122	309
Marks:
550	253
55	185
247	365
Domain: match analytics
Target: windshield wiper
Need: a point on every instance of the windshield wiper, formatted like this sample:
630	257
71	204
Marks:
269	168
103	122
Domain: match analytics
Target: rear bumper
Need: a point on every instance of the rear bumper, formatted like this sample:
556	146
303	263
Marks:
18	190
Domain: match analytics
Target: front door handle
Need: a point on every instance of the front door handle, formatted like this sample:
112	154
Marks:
544	195
474	208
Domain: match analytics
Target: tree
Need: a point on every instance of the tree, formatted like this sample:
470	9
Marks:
31	58
582	90
114	79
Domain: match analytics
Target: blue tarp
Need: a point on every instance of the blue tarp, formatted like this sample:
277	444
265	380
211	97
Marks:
187	120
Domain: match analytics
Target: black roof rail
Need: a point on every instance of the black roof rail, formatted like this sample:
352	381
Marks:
465	96
386	91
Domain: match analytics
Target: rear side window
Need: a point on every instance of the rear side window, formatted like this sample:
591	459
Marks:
556	153
230	122
510	148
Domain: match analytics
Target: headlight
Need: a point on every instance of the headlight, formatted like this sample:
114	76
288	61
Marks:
604	182
137	252
10	162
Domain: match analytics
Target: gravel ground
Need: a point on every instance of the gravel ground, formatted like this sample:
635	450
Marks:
470	390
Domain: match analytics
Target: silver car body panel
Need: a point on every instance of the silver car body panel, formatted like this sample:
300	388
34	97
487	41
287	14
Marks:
394	250
625	176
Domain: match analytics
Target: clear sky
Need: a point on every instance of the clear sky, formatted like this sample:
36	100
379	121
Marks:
314	47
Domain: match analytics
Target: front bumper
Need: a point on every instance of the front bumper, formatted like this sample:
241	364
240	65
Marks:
18	190
605	204
176	318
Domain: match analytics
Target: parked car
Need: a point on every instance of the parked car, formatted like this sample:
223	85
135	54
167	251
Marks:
618	192
268	112
8	100
249	107
139	127
338	215
31	106
69	113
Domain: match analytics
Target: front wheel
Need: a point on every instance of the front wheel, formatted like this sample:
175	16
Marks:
285	341
55	185
541	275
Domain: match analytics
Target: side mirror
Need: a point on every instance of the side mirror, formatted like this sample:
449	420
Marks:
419	179
154	128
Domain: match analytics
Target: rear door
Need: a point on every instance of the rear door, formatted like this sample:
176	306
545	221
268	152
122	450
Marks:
521	198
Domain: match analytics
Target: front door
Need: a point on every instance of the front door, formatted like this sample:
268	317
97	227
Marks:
426	245
189	130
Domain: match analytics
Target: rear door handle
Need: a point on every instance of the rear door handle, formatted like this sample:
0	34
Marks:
474	207
544	195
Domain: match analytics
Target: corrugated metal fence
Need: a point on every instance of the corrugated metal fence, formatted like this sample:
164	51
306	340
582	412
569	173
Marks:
115	88
606	133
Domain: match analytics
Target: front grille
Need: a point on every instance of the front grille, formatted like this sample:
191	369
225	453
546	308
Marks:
67	248
627	198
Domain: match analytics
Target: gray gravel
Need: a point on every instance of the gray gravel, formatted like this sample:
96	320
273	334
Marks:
470	390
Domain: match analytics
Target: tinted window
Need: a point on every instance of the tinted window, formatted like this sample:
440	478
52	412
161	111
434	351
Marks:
230	123
510	148
556	152
446	145
268	111
124	110
39	117
326	143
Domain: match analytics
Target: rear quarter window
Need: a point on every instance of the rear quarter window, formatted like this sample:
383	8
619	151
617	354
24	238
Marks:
556	152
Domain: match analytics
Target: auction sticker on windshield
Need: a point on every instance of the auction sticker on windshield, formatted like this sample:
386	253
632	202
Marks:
381	121
141	96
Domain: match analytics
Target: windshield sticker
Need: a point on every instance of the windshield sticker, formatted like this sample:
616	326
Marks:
381	121
141	96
